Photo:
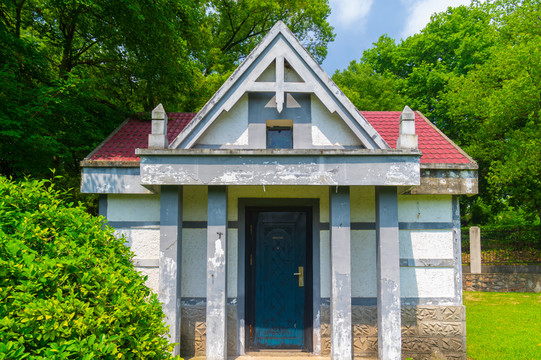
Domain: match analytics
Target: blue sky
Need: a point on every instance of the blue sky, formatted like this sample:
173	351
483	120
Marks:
359	23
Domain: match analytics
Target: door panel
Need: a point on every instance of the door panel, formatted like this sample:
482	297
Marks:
279	300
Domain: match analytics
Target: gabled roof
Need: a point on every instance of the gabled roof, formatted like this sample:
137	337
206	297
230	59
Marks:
133	134
436	147
277	47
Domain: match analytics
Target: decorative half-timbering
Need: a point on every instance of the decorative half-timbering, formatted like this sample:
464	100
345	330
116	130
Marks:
281	217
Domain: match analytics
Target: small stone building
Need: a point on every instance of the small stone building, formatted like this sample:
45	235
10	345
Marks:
279	217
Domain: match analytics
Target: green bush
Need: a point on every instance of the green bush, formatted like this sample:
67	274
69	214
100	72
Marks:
68	289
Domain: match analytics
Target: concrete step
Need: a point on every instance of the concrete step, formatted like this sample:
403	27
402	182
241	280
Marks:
278	356
274	355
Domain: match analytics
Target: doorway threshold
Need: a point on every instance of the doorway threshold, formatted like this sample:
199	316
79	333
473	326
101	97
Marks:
274	355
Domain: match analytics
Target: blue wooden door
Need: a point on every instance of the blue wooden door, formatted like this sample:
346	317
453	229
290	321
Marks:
279	297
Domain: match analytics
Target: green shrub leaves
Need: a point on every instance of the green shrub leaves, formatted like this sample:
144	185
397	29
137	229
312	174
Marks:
68	289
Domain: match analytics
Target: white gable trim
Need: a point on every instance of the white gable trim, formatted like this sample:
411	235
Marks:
279	44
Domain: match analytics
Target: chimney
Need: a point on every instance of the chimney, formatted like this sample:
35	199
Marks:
158	138
407	139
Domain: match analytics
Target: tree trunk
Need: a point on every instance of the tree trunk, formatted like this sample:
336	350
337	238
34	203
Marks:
19	10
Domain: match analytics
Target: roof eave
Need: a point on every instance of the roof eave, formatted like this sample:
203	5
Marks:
447	166
110	163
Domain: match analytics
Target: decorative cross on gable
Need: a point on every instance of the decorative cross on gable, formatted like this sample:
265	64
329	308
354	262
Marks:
281	66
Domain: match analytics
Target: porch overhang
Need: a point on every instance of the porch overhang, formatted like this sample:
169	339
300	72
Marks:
279	167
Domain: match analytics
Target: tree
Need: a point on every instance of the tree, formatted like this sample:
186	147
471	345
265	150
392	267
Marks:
474	71
232	28
236	27
497	109
68	288
72	70
369	90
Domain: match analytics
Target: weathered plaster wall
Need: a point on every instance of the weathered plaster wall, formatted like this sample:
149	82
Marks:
194	263
329	129
427	247
137	218
426	282
314	192
269	74
133	208
194	205
363	264
426	244
425	208
230	128
426	253
363	204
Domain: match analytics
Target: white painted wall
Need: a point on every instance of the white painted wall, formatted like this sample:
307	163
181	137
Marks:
425	208
269	74
121	207
363	263
426	244
306	192
424	282
153	277
230	128
194	263
194	203
325	263
144	241
427	282
232	262
363	204
329	129
414	244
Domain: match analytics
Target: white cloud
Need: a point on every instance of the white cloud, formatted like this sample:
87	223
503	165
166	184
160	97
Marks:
421	10
348	12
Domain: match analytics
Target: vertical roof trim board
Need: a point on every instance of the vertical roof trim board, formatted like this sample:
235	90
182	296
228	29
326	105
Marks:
280	43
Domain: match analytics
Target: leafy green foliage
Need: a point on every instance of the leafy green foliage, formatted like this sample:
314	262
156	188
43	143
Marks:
369	90
68	289
72	70
237	26
475	72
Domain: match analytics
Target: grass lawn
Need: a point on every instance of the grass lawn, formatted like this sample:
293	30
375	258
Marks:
503	325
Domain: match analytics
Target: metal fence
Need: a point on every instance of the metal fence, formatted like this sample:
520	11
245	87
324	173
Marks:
505	246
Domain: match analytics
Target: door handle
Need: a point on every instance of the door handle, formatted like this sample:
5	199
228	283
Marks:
300	274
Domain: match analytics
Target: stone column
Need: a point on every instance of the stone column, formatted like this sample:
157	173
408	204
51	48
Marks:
475	250
217	274
340	243
407	139
171	258
388	274
157	139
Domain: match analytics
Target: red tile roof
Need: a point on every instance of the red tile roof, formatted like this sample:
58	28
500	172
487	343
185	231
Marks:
436	147
133	134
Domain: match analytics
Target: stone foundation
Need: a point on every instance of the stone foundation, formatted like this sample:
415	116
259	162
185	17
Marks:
427	332
501	282
193	330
